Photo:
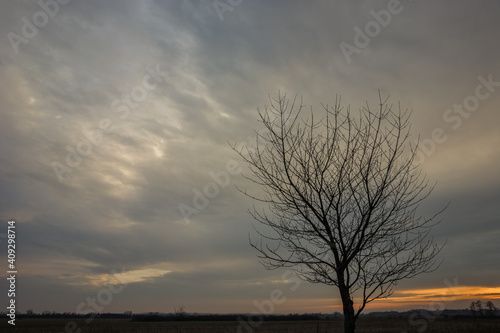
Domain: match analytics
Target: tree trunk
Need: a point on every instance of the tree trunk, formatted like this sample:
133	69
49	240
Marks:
349	320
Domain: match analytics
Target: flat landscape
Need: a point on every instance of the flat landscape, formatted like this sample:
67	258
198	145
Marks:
368	325
249	166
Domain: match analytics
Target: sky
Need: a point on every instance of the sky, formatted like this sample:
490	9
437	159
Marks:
116	115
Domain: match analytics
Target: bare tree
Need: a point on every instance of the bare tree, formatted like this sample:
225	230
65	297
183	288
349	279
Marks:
342	195
479	307
473	309
491	308
180	311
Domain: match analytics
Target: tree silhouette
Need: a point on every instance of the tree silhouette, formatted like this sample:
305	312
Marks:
180	311
491	308
342	195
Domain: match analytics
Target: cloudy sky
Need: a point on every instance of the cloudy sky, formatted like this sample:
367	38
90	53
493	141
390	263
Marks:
114	114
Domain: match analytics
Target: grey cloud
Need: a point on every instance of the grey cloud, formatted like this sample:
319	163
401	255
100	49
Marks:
119	206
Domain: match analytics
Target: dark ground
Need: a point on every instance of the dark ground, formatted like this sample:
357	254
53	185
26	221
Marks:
364	325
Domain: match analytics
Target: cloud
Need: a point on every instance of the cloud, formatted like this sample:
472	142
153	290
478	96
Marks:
119	207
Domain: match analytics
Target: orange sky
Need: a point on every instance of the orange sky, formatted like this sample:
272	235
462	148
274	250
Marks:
431	299
457	297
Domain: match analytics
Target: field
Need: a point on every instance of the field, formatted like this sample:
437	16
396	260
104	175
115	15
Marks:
365	325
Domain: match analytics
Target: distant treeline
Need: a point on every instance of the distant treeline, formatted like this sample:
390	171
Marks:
173	316
476	311
63	315
315	316
227	317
